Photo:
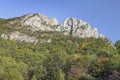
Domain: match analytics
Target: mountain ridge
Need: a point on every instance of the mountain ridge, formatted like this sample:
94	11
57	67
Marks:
40	22
32	49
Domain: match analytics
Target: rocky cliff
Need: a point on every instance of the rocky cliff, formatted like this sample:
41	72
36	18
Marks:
20	27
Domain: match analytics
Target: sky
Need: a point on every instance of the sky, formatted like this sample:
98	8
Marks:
102	14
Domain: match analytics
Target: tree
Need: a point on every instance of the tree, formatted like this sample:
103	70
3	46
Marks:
9	70
117	45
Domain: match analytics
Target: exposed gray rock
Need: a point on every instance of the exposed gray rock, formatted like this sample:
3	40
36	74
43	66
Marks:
35	22
71	26
19	36
4	36
39	22
79	28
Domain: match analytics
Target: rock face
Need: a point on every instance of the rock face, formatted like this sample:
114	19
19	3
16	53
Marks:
19	36
39	22
80	28
71	26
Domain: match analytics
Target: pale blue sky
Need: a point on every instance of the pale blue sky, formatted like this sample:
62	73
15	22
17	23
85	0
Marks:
103	14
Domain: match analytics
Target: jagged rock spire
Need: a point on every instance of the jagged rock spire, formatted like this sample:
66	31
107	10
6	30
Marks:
79	28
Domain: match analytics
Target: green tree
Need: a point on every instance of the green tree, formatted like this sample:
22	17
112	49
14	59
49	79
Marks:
117	45
9	70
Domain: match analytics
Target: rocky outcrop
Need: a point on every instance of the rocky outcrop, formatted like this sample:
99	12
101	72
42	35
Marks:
80	29
71	26
39	22
19	36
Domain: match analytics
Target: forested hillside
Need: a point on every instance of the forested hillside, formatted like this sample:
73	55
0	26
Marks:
66	58
51	55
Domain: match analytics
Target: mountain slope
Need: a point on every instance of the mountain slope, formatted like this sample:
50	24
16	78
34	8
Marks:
35	47
21	28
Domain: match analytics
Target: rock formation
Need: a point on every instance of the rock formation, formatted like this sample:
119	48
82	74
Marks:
39	22
80	28
19	36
